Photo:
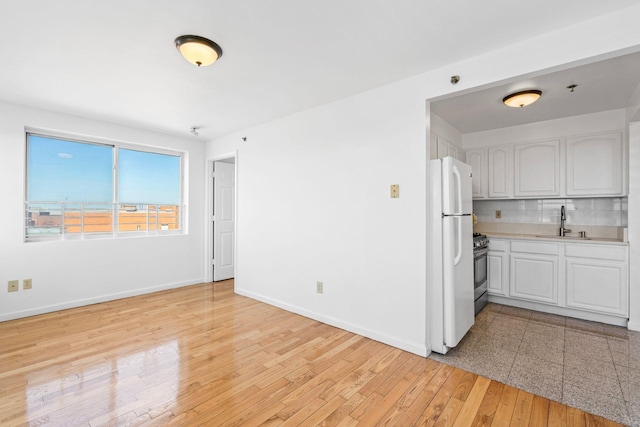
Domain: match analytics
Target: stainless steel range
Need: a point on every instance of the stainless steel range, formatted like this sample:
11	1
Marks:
480	249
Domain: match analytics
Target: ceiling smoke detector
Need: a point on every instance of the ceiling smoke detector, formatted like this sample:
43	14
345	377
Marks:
194	131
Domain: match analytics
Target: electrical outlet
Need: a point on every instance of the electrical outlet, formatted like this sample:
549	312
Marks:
13	285
498	214
27	284
319	287
395	191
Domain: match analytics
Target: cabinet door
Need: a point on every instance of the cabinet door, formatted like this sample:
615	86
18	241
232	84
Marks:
443	148
433	147
477	158
534	277
596	285
500	171
537	169
594	165
497	273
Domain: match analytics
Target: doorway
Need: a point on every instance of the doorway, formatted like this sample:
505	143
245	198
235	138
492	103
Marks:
221	241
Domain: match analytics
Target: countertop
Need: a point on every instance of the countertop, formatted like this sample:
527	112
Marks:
596	240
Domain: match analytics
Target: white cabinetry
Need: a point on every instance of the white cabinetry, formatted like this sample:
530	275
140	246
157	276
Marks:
595	165
597	278
441	148
584	280
500	171
534	271
477	159
498	267
537	169
433	146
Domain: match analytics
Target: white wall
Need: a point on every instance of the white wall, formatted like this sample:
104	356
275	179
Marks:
313	190
73	273
633	117
442	128
634	225
314	205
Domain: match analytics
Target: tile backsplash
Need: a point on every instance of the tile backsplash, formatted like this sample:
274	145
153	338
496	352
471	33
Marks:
604	211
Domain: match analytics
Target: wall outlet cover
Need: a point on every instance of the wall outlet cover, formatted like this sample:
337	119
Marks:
13	285
27	284
498	214
319	287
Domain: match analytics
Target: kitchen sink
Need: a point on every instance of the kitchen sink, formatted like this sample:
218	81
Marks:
555	236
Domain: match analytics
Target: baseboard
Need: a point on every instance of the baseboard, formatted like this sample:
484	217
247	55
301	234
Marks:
562	311
633	326
95	300
420	350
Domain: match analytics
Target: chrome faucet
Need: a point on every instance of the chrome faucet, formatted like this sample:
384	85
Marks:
563	218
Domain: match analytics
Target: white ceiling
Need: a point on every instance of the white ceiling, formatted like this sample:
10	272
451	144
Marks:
601	86
115	60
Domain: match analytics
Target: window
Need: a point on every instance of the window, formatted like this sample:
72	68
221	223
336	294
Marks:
83	189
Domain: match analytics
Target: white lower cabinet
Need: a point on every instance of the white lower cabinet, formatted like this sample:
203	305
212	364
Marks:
534	271
498	268
597	279
572	277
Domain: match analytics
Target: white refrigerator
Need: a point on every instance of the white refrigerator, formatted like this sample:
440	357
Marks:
450	291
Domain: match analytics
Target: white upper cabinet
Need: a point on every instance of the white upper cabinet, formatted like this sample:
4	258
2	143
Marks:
476	158
595	165
440	148
500	172
433	147
537	169
443	147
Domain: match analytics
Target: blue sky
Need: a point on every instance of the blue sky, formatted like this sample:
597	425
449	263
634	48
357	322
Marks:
69	171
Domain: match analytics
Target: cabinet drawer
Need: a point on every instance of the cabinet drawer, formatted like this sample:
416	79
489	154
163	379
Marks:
545	248
498	245
614	253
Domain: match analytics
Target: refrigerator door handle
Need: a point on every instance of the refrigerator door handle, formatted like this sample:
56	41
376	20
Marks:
458	256
458	190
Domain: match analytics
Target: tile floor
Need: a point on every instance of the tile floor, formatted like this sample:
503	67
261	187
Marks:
587	365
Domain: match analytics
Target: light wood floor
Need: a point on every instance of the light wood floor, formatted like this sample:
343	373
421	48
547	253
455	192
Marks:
202	355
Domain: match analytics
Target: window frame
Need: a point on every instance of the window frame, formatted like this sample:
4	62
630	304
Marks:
115	203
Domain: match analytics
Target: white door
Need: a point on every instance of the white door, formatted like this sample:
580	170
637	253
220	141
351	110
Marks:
223	220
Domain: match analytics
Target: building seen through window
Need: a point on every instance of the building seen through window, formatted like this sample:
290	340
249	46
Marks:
82	189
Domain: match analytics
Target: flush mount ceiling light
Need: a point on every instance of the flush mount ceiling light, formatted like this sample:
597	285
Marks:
198	50
522	99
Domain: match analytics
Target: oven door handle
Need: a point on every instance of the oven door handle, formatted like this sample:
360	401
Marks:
479	252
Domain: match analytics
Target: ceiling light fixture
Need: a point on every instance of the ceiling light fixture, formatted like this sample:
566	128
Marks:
522	99
198	50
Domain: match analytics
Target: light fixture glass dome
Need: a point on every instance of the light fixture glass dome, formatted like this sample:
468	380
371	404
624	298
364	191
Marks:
522	99
198	50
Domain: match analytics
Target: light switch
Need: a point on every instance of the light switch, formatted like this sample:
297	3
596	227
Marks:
498	214
395	191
